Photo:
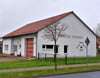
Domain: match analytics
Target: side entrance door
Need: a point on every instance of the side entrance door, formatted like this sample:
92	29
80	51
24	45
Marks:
29	47
65	48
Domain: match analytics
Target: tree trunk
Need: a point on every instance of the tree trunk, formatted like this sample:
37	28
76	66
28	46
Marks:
55	58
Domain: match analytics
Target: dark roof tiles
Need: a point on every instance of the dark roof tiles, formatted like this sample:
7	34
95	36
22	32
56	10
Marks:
36	26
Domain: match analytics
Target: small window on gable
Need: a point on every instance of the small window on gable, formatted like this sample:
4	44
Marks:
6	47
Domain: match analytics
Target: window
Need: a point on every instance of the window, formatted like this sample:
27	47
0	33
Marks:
49	46
6	47
65	48
43	46
19	46
15	48
57	49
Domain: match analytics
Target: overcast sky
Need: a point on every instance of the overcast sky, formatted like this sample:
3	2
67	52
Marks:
17	13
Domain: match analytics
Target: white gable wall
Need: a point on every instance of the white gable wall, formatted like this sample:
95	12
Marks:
77	32
75	28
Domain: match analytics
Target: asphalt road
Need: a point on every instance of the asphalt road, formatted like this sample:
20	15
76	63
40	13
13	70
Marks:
79	75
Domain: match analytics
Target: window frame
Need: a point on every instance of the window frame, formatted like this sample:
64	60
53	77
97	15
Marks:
15	48
6	47
49	47
44	47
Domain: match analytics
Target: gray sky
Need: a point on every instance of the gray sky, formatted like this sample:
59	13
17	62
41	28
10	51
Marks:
16	13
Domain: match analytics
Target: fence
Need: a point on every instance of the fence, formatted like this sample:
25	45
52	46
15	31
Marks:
0	50
50	57
63	60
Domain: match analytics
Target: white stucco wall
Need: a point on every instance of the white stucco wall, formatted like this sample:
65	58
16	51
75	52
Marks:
75	28
7	42
18	41
23	42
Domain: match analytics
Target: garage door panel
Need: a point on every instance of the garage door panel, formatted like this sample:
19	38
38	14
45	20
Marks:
29	47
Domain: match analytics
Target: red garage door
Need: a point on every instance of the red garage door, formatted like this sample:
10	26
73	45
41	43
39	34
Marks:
29	47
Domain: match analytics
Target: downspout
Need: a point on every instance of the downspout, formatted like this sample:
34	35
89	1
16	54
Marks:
36	45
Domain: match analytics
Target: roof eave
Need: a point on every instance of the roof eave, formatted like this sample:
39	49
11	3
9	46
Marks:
19	35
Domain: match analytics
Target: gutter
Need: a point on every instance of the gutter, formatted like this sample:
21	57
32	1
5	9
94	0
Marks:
19	35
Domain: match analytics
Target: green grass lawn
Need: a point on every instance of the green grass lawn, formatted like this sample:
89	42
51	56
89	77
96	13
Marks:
47	62
45	72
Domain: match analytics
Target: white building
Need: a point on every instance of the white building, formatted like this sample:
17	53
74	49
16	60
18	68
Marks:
28	40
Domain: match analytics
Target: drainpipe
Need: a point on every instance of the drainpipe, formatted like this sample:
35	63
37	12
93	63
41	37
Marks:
36	45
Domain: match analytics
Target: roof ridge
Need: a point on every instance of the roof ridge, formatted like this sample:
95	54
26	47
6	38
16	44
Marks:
48	18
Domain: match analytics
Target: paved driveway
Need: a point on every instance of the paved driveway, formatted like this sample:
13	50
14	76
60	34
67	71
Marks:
8	58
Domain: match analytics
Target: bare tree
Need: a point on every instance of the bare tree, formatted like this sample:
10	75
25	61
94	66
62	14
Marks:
53	33
97	29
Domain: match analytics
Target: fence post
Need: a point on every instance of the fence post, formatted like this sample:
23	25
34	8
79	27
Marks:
74	59
65	58
38	56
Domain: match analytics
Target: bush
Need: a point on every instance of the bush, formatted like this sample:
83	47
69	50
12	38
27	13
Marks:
98	51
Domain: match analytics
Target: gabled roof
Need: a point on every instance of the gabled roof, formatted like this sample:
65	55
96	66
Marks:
39	25
36	26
